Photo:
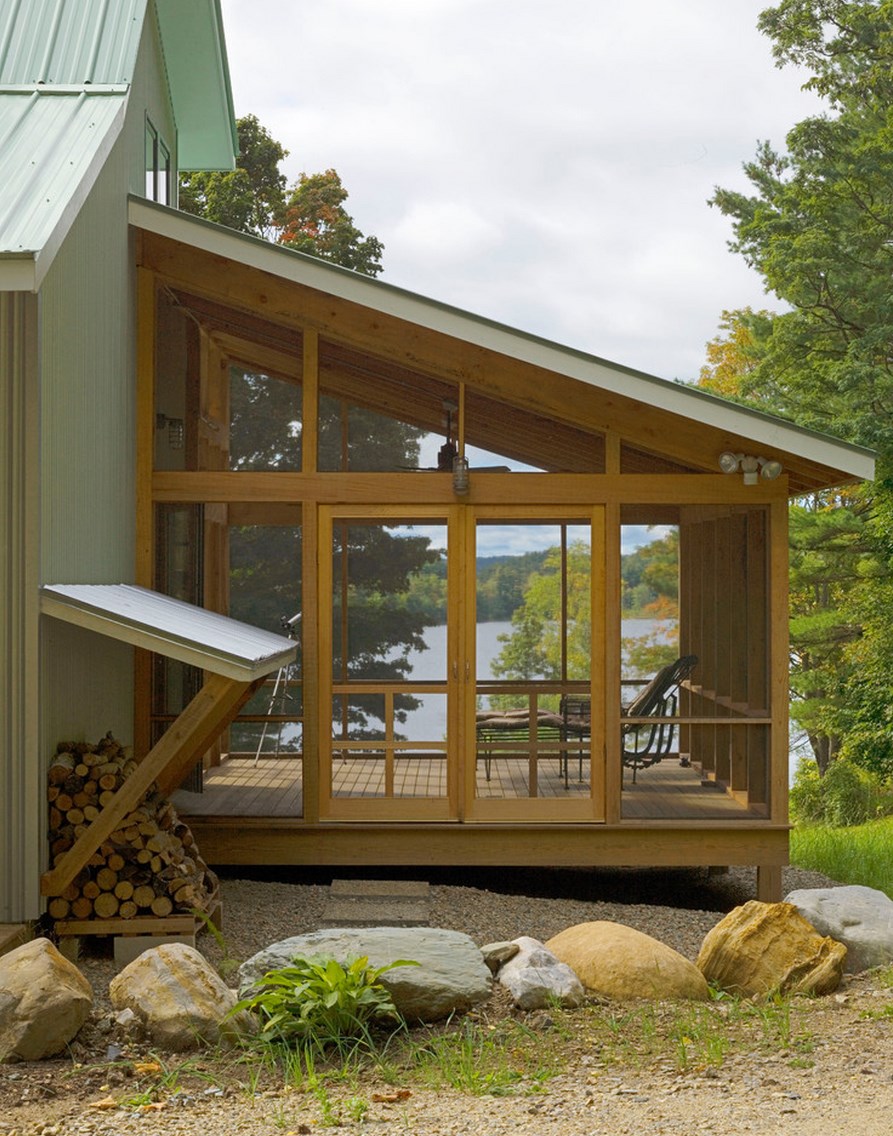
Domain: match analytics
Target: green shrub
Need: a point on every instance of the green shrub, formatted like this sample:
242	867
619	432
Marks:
845	796
321	1002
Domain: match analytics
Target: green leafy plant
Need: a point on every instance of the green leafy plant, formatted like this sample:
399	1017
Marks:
321	1002
846	795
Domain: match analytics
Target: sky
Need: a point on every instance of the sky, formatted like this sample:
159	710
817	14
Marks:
543	163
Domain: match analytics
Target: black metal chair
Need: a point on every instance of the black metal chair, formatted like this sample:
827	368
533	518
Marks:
648	743
508	734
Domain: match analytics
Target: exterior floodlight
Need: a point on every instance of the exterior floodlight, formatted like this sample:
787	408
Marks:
770	469
752	467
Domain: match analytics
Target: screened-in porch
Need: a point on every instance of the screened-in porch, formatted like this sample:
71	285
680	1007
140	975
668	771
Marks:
494	557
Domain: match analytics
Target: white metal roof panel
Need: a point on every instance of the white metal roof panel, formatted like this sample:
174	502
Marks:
69	42
377	295
175	629
53	148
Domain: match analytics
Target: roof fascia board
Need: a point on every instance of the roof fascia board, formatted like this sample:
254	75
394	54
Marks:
18	272
676	398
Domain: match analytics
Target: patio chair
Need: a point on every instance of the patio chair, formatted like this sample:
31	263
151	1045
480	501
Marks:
508	734
648	743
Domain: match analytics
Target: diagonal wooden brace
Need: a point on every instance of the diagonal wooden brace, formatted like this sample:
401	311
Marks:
187	738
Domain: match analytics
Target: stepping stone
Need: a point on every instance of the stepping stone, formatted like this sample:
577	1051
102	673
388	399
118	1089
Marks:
377	903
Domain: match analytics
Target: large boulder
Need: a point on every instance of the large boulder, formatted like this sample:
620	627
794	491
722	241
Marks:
859	917
451	976
178	998
763	947
44	1001
536	979
620	962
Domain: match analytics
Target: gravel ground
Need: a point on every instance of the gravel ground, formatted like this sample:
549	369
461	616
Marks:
846	1084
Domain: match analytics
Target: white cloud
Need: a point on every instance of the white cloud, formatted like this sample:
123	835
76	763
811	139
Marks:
544	164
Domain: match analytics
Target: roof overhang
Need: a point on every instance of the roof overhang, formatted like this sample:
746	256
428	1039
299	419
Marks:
195	57
58	141
713	423
174	629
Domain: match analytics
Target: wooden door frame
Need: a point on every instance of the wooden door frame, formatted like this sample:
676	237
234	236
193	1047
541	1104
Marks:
390	809
544	809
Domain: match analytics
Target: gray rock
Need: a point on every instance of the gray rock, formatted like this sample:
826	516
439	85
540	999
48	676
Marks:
498	954
536	979
179	998
859	917
44	1001
451	975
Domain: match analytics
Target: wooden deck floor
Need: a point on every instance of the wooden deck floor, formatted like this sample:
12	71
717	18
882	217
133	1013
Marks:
273	788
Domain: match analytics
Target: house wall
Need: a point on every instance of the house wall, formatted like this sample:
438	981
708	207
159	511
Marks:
84	334
21	783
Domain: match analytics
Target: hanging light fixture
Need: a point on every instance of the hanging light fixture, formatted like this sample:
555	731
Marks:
752	467
461	479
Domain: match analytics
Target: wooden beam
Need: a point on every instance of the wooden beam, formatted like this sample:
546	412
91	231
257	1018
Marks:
144	513
249	840
184	742
439	355
434	488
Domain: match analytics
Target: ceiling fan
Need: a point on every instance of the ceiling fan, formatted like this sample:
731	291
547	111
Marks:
448	454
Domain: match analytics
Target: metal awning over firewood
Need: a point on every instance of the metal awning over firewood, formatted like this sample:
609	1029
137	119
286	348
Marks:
236	656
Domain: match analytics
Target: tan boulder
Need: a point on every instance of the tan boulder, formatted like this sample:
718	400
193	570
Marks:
620	962
44	1001
179	998
764	947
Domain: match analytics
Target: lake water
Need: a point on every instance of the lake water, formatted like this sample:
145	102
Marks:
428	722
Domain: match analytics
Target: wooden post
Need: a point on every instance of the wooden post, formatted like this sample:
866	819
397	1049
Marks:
778	655
144	567
769	883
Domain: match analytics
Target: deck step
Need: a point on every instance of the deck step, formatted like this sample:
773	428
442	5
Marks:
377	903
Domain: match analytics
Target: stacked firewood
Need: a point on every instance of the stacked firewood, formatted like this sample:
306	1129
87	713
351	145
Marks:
148	866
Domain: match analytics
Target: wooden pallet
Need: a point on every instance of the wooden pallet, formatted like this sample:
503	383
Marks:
131	936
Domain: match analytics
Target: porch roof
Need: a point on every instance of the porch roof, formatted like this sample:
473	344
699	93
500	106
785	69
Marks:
671	420
175	629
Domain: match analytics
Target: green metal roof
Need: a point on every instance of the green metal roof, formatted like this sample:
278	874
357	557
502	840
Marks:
66	67
53	147
198	72
69	42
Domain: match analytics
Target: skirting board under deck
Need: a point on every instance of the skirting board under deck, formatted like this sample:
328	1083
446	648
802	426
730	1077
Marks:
246	841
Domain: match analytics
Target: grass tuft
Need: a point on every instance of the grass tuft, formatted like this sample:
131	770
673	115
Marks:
859	854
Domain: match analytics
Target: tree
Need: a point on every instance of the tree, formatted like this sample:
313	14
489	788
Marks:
534	647
818	226
266	428
316	222
733	356
828	545
250	198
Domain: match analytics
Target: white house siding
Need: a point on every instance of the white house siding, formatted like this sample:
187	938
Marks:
21	780
149	95
88	416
